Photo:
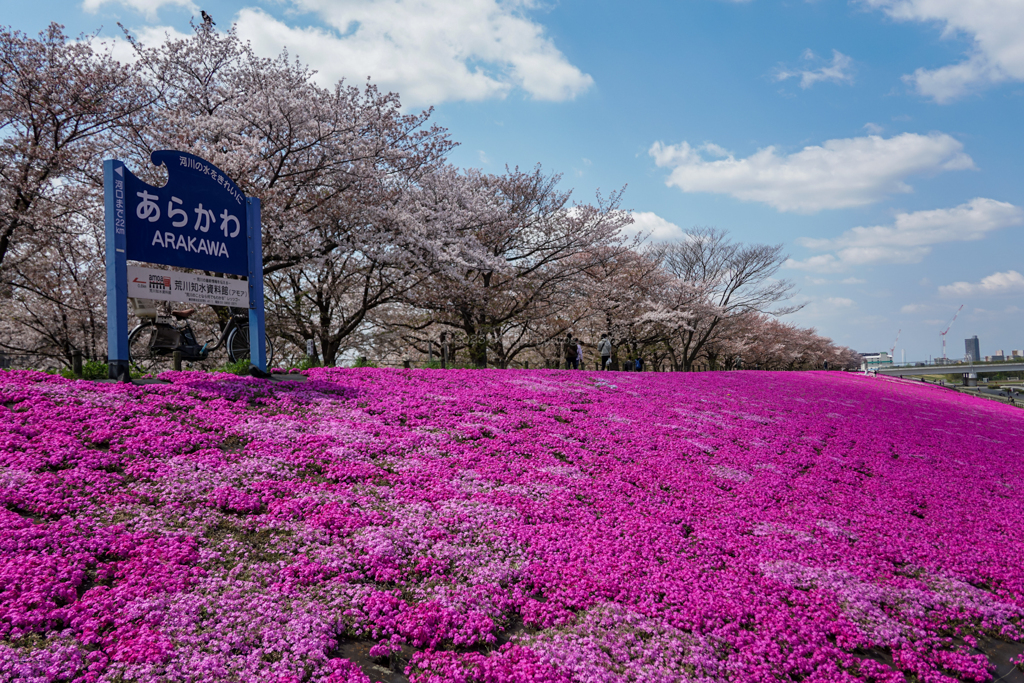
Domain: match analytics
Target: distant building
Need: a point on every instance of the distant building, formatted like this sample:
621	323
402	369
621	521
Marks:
973	348
871	361
1017	353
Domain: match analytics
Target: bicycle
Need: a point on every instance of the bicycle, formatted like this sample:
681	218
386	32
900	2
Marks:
156	338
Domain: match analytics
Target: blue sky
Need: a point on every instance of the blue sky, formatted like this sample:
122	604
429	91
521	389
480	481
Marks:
880	140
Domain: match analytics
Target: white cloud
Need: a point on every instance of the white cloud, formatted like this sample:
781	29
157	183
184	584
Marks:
839	302
826	281
912	235
825	263
654	226
1010	282
430	51
715	150
873	128
839	70
147	7
837	174
956	80
995	28
991	314
915	308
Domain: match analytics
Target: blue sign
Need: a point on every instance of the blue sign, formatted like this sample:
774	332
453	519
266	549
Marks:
199	220
196	220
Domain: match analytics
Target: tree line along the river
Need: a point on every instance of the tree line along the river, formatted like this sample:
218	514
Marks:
373	243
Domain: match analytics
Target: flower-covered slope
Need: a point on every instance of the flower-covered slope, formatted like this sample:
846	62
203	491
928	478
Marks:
506	526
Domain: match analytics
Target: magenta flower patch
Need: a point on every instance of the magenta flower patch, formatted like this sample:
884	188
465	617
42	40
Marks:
507	526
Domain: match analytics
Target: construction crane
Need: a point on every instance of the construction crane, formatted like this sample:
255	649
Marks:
943	333
892	351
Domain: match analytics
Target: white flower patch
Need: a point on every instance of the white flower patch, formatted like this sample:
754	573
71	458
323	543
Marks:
732	474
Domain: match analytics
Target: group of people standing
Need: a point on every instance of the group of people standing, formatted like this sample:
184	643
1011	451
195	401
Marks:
572	352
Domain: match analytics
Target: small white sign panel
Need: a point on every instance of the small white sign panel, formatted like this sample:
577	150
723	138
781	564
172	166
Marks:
191	288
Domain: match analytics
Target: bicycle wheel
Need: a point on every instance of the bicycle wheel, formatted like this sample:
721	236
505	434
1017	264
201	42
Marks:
138	348
238	345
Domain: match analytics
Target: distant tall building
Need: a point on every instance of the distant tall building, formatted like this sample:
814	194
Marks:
973	348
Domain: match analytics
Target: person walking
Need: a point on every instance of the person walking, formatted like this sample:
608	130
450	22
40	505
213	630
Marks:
579	354
604	348
569	351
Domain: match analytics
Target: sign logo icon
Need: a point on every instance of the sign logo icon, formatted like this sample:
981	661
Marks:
157	283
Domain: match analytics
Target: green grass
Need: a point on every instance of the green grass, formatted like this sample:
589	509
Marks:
93	369
239	367
307	362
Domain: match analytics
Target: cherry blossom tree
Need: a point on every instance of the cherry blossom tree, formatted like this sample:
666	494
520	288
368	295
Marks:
307	152
539	245
60	100
55	305
420	231
736	279
345	177
641	305
766	343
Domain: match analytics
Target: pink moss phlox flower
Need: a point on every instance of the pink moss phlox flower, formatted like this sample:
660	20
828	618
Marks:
506	527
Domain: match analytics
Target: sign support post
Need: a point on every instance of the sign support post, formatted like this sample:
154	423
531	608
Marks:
117	270
257	322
